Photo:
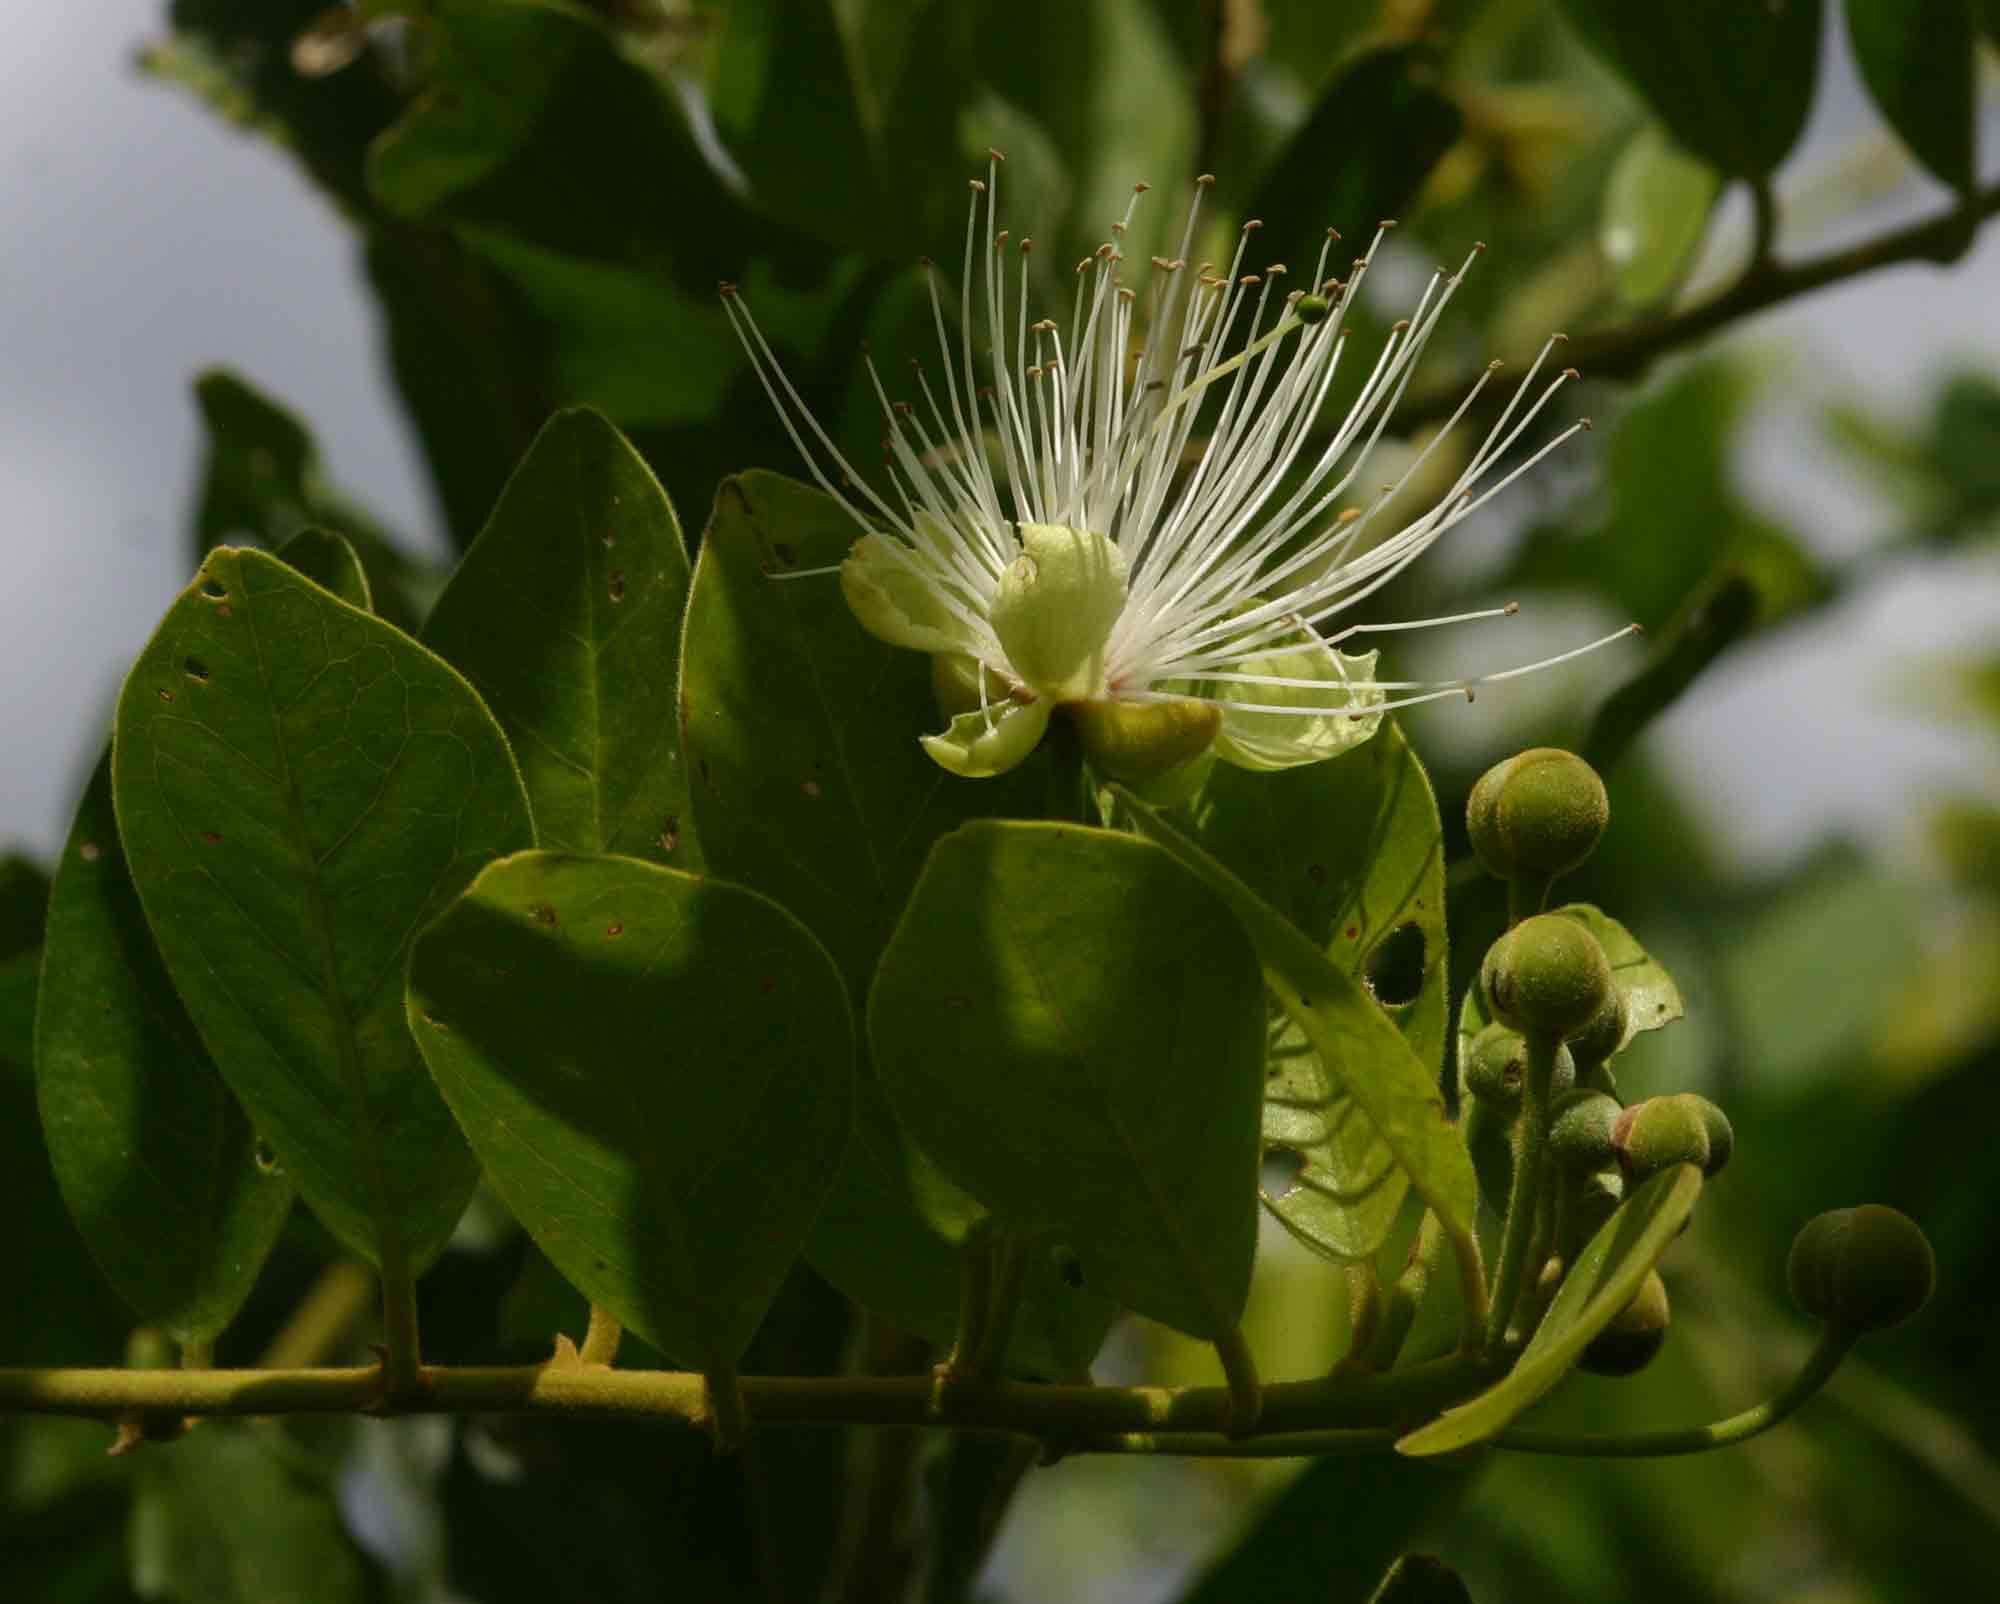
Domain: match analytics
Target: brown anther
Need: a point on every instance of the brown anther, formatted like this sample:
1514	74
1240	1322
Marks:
1333	233
1124	293
1000	238
1276	268
1027	245
1469	695
1253	223
1118	228
978	185
997	155
1141	188
1583	424
1204	180
1387	222
1511	609
1495	365
1479	245
1249	279
1080	266
1107	252
925	263
1348	515
1571	373
902	407
725	288
1559	339
1399	325
1638	629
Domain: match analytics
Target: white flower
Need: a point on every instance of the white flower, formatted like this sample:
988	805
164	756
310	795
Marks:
1167	587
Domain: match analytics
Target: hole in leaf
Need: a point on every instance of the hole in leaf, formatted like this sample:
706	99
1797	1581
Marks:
214	589
1279	1176
670	833
1396	966
1316	873
617	584
196	669
266	1156
542	914
784	553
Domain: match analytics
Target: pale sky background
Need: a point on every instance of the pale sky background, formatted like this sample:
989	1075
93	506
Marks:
144	240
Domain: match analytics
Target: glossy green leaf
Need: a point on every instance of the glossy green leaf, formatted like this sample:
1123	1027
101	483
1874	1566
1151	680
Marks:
808	158
1351	852
1921	65
1605	1277
156	1161
566	617
298	787
801	731
1651	997
1332	1529
656	1072
1073	1025
330	562
1656	208
1732	82
1328	177
225	1516
1353	1036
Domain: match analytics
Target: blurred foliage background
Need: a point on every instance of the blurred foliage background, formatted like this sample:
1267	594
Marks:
545	196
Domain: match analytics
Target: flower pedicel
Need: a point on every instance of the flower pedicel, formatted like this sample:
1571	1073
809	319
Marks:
1171	602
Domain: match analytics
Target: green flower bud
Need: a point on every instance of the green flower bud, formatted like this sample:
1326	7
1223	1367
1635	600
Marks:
1636	1333
1054	608
1580	1125
1138	742
1721	1134
1496	1062
1537	815
1489	1140
1548	974
1593	1199
1661	1132
1310	309
1863	1269
1602	1036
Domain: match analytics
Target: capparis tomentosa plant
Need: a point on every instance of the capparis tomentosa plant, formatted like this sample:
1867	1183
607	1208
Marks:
638	901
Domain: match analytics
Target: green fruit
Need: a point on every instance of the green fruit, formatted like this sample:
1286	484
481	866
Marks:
1602	1036
1862	1269
1537	815
1547	976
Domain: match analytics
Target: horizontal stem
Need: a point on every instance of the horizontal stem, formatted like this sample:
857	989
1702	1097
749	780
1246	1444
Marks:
679	1397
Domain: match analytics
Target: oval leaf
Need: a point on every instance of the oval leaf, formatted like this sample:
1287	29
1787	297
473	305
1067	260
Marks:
1732	81
566	617
1353	1037
1919	61
153	1154
1351	852
1604	1279
1073	1026
656	1072
1656	208
801	732
298	787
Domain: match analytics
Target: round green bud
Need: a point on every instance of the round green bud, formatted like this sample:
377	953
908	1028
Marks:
1311	309
1489	1141
1634	1336
1496	1062
1548	974
1602	1036
1863	1269
1659	1133
1721	1134
1580	1125
1139	742
1593	1199
1537	815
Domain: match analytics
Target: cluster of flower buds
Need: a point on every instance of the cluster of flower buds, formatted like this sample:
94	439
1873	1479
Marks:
1555	1148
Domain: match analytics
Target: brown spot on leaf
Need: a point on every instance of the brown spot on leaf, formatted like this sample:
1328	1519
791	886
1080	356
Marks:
617	585
1316	873
811	789
614	929
212	837
90	852
670	833
165	694
543	914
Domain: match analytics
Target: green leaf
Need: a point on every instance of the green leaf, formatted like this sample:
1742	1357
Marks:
656	1072
809	785
1605	1277
1350	851
566	617
1073	1026
1354	1037
224	1516
1651	997
156	1161
1732	82
808	158
330	562
1421	1579
299	786
24	904
1656	208
1921	65
1329	176
1332	1528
